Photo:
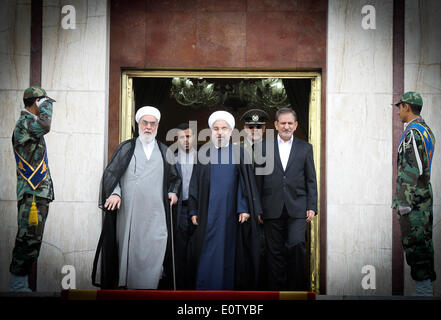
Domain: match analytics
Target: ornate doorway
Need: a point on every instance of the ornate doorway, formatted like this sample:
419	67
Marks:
132	86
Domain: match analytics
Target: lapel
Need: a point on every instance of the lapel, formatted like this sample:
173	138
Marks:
178	165
277	154
205	168
292	153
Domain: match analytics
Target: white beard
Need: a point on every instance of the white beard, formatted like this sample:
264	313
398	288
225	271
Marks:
147	138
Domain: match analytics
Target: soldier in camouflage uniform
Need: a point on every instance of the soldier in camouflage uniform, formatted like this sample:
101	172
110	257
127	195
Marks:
413	197
34	182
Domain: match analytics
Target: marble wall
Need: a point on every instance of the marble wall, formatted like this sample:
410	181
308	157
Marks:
358	148
422	73
74	72
15	35
201	34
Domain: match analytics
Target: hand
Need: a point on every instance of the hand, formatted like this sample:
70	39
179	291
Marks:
404	210
173	199
259	217
243	217
40	101
113	202
194	220
310	214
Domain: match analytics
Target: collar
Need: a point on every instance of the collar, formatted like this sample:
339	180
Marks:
249	141
281	141
182	154
222	146
408	123
147	145
26	111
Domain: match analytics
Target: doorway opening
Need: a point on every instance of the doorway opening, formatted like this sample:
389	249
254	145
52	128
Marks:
236	96
183	96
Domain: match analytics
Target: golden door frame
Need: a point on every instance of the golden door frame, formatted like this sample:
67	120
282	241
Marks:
127	122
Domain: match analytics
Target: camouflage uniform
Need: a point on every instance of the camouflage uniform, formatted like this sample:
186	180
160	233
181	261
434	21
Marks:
28	142
414	192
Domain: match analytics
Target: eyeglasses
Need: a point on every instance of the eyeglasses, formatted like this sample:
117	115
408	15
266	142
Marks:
257	126
152	124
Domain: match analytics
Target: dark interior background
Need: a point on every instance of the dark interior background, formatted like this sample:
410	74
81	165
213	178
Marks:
156	92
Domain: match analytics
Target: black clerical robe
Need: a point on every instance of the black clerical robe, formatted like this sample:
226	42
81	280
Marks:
247	251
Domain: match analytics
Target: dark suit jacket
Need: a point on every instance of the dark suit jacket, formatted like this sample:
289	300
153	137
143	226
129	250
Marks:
295	187
182	221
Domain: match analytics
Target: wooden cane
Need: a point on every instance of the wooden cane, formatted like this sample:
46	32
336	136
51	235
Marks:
173	247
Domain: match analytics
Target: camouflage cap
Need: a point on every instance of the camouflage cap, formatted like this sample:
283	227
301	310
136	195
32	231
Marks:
35	92
255	116
411	97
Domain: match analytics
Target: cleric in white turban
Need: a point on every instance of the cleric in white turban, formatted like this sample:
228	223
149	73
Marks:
147	111
223	198
221	115
221	124
138	188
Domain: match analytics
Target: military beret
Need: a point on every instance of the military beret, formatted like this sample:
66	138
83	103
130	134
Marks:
411	97
255	116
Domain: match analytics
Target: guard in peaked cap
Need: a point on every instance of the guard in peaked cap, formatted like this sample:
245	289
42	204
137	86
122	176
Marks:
255	116
255	126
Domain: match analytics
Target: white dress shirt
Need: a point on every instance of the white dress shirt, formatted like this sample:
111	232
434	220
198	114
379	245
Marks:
186	160
284	150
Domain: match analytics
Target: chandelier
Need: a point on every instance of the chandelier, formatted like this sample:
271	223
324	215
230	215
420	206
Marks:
196	94
266	93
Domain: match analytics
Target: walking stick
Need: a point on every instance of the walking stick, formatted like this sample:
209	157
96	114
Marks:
173	247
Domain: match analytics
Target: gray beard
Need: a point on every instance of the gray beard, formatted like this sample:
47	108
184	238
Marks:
222	143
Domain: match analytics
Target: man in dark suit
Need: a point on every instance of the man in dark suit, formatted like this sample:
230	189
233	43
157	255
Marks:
289	200
185	159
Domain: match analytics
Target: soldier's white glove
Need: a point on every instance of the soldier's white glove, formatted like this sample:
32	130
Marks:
40	102
404	210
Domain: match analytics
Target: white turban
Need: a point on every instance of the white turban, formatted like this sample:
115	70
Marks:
221	115
147	111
